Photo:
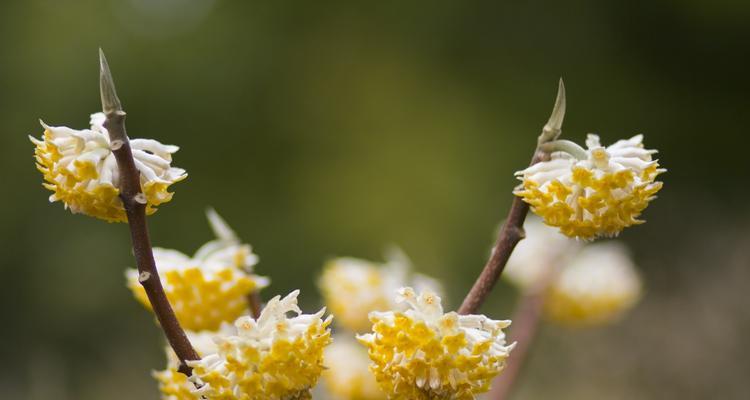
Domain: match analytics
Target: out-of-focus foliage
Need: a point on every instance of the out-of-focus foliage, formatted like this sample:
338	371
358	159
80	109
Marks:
325	129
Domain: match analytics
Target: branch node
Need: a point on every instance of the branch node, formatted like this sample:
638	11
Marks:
144	276
140	198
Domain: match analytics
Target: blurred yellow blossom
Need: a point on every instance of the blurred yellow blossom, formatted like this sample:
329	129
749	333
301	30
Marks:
582	284
212	286
594	192
81	170
347	376
274	357
351	287
596	287
423	353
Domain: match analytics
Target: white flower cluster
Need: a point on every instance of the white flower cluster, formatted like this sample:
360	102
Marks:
273	357
211	287
423	353
597	193
582	284
80	168
353	287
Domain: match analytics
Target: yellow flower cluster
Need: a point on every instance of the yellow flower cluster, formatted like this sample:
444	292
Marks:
596	196
209	288
351	287
272	358
582	284
598	286
81	170
425	354
348	376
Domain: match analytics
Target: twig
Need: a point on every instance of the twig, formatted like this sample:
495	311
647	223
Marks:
512	231
255	302
134	202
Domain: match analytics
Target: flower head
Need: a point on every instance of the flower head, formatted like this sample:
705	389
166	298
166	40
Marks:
598	194
348	376
352	287
271	358
81	170
212	286
423	353
596	287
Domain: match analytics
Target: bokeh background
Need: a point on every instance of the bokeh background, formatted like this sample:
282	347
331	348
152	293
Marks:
331	128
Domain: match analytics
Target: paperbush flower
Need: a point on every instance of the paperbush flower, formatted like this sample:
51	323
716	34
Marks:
347	376
582	284
274	357
596	287
598	195
352	287
212	286
423	353
81	170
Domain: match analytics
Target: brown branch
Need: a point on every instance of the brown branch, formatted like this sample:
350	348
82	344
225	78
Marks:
134	202
255	302
510	234
512	230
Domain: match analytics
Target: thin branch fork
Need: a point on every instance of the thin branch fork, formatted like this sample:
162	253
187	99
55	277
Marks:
134	202
512	230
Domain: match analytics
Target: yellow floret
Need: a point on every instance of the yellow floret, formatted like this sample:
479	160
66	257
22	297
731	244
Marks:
201	302
424	354
210	288
74	173
274	357
599	285
596	197
352	288
570	310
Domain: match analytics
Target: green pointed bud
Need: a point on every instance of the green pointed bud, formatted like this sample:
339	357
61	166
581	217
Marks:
553	128
110	102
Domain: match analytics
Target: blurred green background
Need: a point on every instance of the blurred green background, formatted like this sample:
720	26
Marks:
332	128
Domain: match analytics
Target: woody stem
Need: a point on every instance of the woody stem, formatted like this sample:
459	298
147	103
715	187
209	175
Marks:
134	202
512	230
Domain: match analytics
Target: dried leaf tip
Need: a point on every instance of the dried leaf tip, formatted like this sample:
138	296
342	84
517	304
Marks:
553	127
110	101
